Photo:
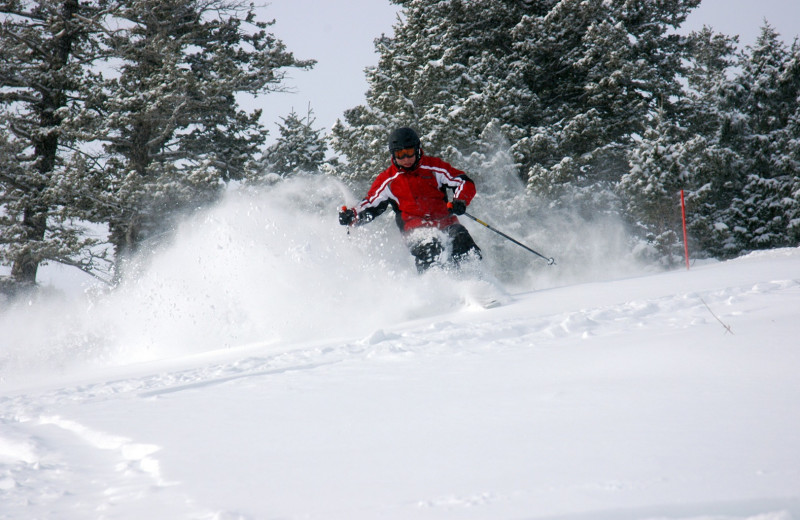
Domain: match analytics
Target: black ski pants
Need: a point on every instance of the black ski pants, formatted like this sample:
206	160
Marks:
427	249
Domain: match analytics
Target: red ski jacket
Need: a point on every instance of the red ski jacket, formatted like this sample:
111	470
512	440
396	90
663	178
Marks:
418	196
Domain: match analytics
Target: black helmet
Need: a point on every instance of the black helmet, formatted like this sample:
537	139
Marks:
401	138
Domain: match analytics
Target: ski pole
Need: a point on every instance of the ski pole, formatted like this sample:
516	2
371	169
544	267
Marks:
550	261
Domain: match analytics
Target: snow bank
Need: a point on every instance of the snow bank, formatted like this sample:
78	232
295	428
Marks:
663	397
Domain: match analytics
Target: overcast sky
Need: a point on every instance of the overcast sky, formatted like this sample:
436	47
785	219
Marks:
340	35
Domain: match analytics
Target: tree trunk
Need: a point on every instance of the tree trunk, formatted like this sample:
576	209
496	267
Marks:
52	97
26	265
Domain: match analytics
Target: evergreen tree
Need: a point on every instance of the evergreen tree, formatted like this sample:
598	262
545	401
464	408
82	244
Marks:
789	162
694	151
171	128
299	148
712	152
713	187
739	149
767	93
651	186
568	82
45	51
601	71
440	74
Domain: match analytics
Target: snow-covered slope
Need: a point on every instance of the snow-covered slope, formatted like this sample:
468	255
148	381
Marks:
327	392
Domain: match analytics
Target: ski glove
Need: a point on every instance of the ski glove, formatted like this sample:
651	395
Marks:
347	216
457	207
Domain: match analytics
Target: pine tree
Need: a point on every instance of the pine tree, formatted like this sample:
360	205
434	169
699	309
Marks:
601	70
767	93
569	83
299	148
439	74
705	144
651	186
171	128
46	50
789	162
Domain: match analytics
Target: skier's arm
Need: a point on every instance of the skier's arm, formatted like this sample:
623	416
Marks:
447	176
464	189
354	217
378	199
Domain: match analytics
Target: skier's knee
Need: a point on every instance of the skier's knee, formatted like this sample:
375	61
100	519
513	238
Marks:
426	253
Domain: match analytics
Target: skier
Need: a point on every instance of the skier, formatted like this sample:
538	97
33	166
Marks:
415	185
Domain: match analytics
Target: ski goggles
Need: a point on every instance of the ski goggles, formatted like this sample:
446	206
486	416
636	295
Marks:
405	153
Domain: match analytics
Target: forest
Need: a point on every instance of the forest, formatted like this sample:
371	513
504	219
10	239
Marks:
120	117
